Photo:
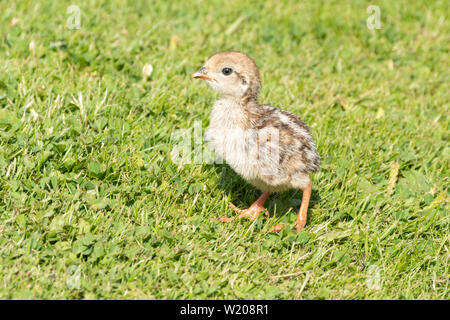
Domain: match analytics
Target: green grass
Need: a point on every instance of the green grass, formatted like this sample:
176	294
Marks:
88	188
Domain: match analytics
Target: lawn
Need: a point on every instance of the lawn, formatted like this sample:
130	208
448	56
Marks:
92	205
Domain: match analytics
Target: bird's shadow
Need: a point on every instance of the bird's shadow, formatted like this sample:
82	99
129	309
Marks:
243	194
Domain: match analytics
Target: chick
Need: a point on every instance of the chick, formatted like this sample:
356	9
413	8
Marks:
270	148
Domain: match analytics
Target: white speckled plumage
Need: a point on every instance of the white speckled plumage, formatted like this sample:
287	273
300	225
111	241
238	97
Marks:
235	117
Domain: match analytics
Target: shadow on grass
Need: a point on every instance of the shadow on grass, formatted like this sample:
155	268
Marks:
243	194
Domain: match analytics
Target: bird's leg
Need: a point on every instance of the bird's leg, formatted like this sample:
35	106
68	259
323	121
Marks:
301	219
251	213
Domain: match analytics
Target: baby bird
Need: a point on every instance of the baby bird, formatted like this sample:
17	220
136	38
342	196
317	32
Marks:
270	148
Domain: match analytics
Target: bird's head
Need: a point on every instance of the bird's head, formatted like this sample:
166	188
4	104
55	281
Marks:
231	74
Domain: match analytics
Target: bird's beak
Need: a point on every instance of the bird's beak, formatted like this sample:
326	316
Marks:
201	74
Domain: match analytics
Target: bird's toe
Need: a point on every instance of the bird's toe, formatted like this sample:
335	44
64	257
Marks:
277	228
225	219
234	208
300	225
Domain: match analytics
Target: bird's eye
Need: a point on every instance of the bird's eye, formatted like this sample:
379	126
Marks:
227	71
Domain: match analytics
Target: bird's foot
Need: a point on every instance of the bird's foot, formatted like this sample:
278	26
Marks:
277	228
251	213
300	225
225	219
